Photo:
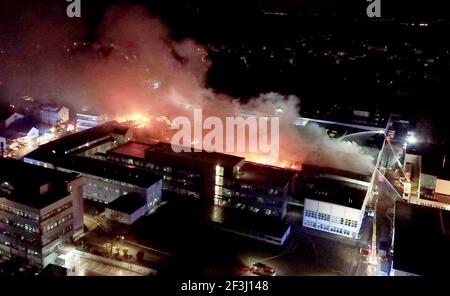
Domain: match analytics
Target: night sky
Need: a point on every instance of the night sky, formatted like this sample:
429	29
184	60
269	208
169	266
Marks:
236	21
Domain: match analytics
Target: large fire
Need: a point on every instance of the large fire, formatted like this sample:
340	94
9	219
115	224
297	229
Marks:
138	120
270	161
162	124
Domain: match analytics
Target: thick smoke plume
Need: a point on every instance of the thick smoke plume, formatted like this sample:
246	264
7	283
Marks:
134	65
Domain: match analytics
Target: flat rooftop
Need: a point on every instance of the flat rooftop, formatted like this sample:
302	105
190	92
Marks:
21	182
311	170
128	203
337	192
138	150
131	149
203	156
109	170
59	147
263	174
422	239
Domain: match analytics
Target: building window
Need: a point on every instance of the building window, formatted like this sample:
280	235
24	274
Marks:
310	214
324	217
219	180
219	170
218	190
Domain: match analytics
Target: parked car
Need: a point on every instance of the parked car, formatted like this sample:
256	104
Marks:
262	269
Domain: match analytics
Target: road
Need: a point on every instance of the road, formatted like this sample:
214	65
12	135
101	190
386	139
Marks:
79	266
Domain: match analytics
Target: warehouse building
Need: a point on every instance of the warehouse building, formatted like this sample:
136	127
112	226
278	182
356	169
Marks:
335	206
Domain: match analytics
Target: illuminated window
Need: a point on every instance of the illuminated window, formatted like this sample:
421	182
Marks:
219	170
218	190
219	180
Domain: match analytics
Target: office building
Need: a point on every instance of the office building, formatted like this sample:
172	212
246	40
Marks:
40	210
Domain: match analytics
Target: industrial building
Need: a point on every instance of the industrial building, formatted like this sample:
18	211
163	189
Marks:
40	209
105	181
335	205
215	178
90	143
116	169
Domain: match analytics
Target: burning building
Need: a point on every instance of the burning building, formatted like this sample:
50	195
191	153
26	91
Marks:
220	179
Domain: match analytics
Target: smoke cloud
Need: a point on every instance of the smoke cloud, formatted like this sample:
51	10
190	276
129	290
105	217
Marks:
134	65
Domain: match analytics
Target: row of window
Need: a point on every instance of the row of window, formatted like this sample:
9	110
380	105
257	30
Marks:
19	212
267	212
55	236
30	240
340	231
325	227
270	191
310	214
26	227
57	223
332	219
152	166
57	211
20	248
180	191
324	217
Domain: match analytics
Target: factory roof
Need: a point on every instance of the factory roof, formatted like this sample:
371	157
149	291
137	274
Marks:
337	192
58	148
263	174
139	150
131	149
311	170
128	203
202	156
109	170
21	182
422	239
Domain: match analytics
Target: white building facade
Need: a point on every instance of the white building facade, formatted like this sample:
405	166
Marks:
332	218
53	115
89	120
